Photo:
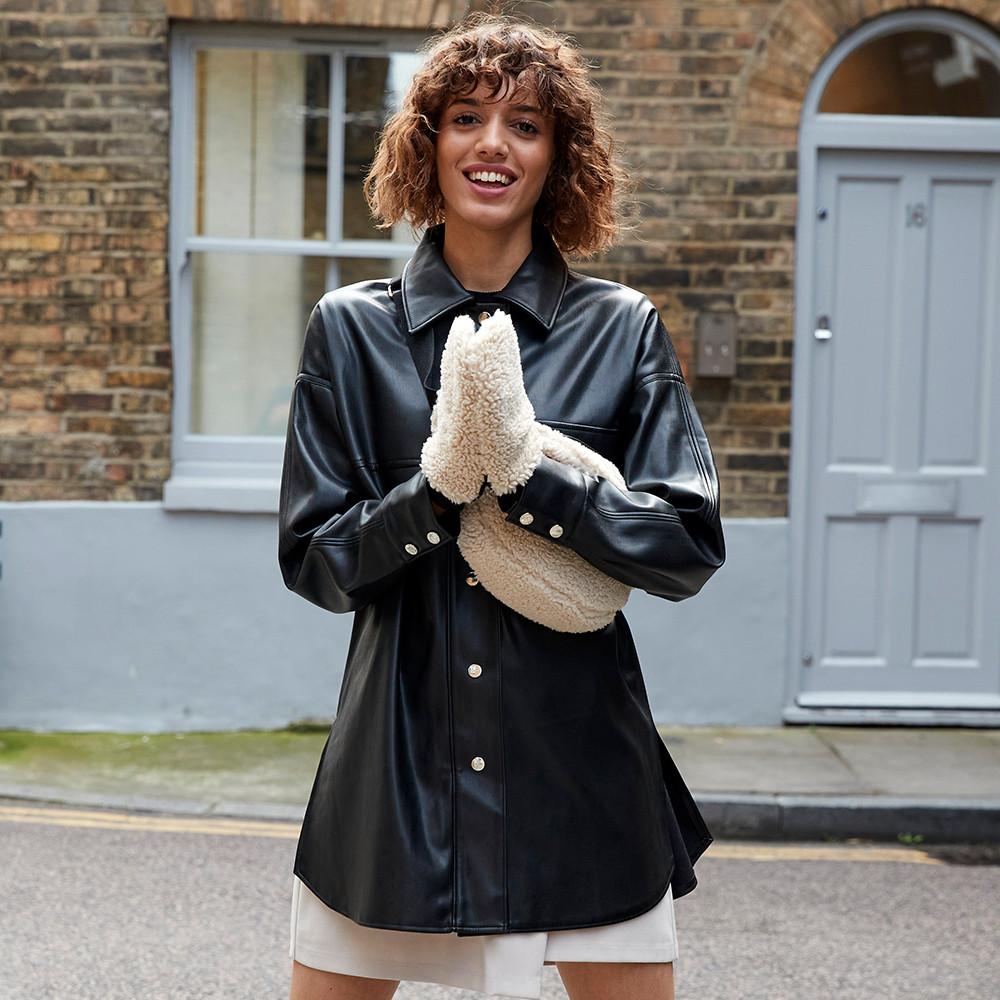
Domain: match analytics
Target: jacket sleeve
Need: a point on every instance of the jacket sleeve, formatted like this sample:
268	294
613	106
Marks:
339	545
664	534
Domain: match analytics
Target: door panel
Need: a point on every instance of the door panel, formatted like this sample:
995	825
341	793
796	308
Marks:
853	611
946	597
903	508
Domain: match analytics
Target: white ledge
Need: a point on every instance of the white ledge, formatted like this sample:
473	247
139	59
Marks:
241	487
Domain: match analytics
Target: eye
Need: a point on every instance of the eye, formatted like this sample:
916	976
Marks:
464	114
531	126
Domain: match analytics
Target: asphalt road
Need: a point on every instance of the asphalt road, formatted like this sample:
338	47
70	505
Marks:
119	906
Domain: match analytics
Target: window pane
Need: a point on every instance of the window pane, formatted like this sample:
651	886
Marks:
375	88
249	314
916	73
261	141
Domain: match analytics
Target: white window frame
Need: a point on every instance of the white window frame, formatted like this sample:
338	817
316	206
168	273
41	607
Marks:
243	473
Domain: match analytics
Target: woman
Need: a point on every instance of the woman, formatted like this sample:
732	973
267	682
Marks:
493	794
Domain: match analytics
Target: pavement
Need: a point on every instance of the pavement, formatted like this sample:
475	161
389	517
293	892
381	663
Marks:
796	782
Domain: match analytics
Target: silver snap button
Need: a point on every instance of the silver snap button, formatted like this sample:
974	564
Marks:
411	548
483	316
556	530
526	518
471	580
433	536
475	669
478	763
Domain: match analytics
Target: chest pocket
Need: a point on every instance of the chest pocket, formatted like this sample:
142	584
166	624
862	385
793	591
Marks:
604	440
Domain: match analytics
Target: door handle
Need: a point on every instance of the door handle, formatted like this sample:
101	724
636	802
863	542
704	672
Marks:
823	331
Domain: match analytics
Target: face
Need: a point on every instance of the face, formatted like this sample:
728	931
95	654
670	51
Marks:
505	136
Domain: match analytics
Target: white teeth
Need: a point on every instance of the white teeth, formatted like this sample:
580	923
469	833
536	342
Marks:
489	175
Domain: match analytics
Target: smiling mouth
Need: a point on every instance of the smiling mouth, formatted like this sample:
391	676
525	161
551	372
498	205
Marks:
491	185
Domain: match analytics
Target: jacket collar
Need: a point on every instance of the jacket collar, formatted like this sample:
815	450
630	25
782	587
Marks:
430	289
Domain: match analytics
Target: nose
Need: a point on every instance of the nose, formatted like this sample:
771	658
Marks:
491	138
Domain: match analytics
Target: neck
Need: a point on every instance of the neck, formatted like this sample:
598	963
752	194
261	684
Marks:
484	260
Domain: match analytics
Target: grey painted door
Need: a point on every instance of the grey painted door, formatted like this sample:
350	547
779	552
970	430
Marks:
902	587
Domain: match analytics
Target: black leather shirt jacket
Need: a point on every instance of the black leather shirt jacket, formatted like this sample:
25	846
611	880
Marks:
575	814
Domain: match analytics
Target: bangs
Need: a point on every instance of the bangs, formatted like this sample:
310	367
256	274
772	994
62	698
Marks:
524	89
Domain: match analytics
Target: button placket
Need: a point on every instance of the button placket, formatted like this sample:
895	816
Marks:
485	309
477	764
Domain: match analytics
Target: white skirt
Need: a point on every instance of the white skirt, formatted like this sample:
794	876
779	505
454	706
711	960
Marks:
508	964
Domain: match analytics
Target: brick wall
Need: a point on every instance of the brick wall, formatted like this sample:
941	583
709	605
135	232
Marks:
717	217
85	398
705	97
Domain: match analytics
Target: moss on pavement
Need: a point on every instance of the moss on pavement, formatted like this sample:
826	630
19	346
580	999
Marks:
268	766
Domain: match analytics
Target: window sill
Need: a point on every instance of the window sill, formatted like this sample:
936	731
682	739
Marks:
238	487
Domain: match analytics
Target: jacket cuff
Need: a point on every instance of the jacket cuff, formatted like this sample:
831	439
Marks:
410	521
450	519
551	502
507	500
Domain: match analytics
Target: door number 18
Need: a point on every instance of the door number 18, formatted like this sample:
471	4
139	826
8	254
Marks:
916	214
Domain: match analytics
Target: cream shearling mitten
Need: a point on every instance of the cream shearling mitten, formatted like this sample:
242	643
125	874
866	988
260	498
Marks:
509	436
548	583
451	456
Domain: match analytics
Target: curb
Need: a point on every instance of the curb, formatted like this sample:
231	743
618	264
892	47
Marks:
875	817
142	803
751	816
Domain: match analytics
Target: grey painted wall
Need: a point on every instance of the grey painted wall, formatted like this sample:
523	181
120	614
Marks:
121	615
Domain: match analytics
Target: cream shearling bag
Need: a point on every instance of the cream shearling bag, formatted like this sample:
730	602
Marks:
483	423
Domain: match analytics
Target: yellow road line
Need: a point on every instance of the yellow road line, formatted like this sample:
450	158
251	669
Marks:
819	852
220	826
109	820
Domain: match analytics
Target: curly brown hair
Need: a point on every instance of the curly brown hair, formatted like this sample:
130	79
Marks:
584	196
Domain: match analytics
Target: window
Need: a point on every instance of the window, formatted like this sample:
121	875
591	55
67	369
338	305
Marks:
272	137
916	71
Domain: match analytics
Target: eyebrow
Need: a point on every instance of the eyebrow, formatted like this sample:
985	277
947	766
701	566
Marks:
514	107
